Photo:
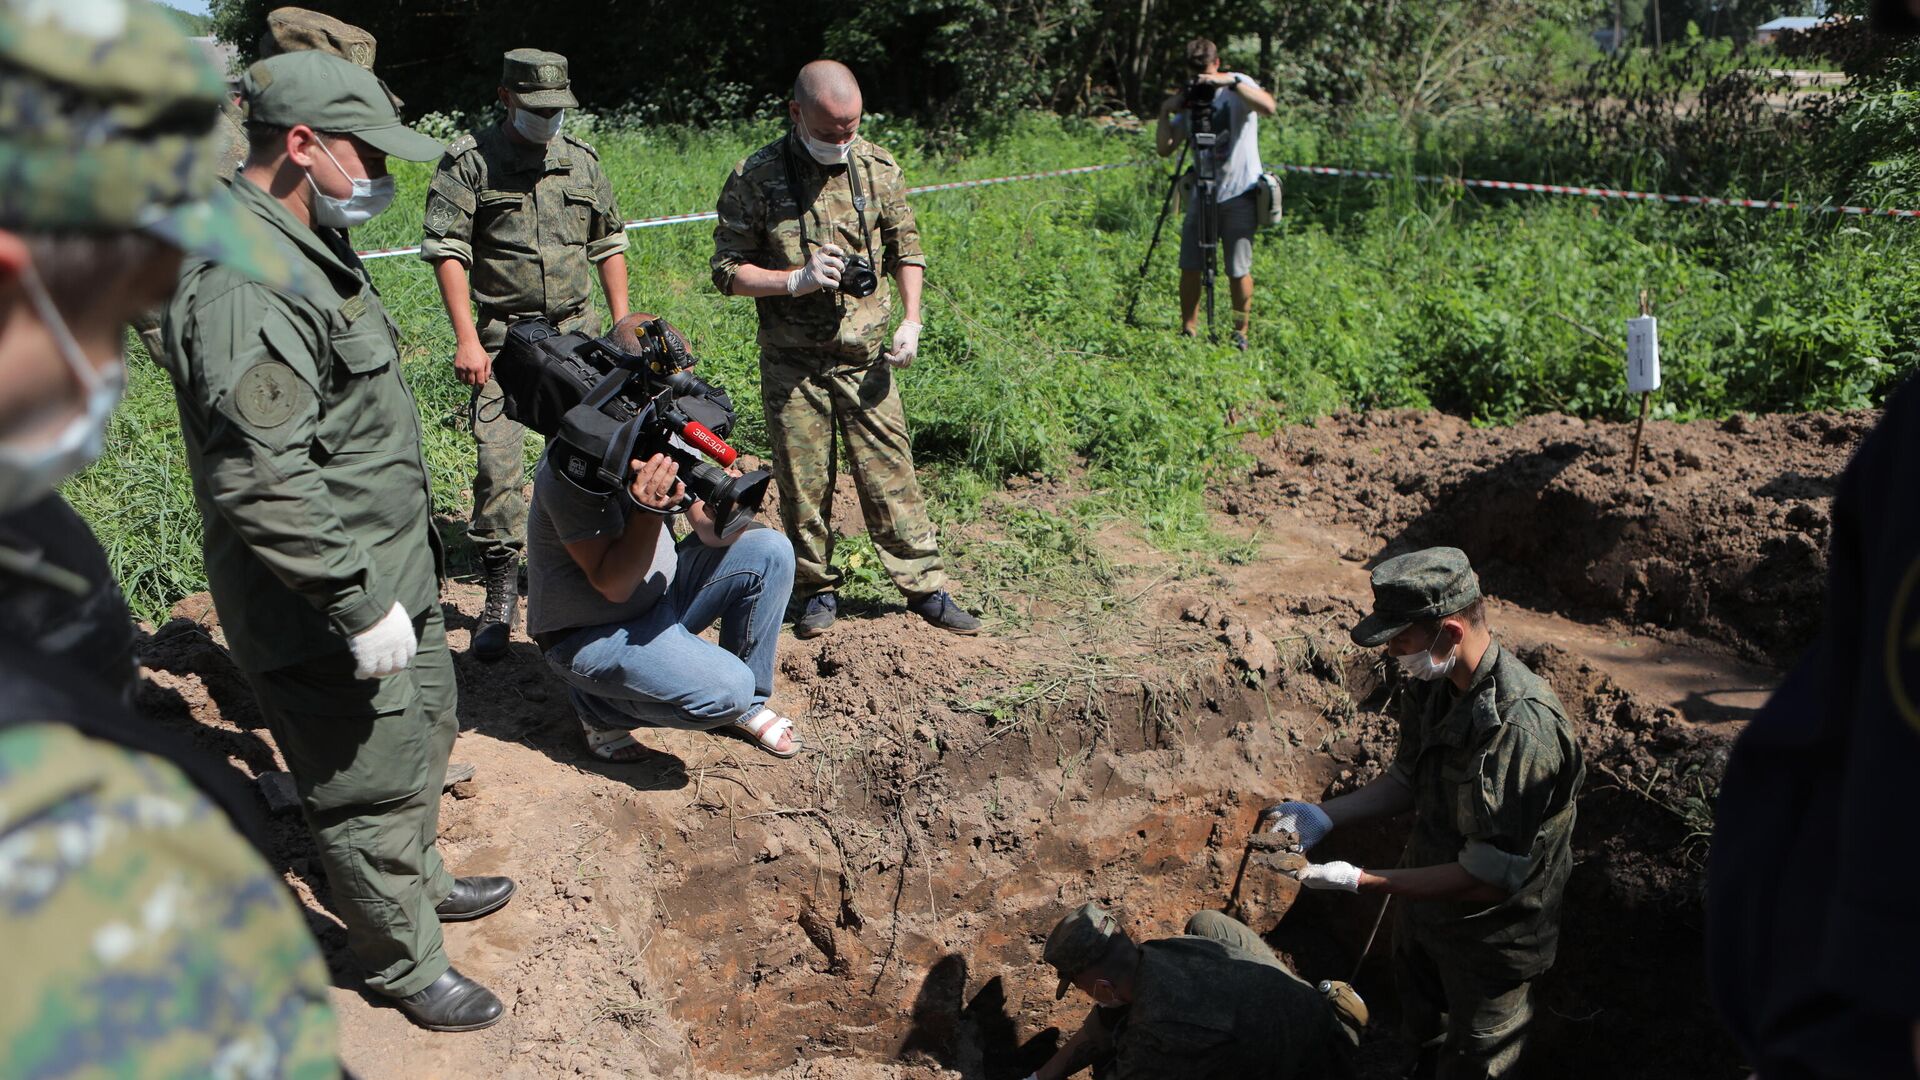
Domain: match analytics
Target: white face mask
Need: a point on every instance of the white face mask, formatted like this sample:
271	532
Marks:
30	473
536	128
825	153
368	199
1422	666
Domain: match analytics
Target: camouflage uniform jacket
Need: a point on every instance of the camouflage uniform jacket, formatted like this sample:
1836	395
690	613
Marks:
760	224
304	444
1494	773
530	221
1204	1011
144	936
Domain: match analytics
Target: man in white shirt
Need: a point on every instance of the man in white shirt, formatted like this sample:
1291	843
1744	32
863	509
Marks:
1238	101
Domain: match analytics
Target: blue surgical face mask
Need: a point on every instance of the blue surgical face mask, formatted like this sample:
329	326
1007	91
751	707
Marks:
536	128
30	473
368	199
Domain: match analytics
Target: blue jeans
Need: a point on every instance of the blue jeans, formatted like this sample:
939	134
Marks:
656	671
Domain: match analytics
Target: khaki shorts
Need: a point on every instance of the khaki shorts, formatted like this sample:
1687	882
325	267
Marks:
1236	217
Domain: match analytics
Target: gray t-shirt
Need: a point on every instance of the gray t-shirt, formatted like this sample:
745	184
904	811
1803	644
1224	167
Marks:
1237	155
559	596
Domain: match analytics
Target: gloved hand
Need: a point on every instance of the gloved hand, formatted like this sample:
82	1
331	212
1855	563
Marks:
906	345
821	272
1343	876
1304	819
385	648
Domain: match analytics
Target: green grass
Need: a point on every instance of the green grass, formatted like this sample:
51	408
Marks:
1371	295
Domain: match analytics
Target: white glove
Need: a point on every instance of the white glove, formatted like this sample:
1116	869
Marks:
906	345
385	648
1303	819
1343	876
821	272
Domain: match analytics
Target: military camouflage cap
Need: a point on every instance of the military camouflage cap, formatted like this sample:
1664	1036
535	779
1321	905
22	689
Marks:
538	79
1428	584
107	118
295	29
1080	941
332	95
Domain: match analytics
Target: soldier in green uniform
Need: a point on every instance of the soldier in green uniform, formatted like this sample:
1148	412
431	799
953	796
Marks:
527	216
145	935
304	443
289	29
792	216
1212	1004
1488	764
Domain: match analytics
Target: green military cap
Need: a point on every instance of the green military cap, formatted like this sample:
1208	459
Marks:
538	79
1080	941
333	95
296	29
107	118
1428	584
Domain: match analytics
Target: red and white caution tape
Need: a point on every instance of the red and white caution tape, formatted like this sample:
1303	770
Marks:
1607	193
1328	170
683	219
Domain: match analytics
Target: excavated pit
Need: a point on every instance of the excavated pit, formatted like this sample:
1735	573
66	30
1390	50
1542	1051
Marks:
876	908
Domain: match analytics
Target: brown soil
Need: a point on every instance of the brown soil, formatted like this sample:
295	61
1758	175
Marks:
876	907
1720	536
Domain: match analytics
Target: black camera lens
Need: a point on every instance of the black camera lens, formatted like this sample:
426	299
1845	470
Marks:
858	279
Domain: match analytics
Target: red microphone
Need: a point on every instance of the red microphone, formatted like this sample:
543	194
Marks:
713	445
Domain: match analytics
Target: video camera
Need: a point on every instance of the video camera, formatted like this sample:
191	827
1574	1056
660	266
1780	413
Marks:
606	402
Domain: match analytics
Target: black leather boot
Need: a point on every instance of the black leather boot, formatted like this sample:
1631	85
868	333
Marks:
452	1002
495	627
473	897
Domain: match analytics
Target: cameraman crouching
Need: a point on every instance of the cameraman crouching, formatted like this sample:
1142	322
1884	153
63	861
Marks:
617	607
1236	99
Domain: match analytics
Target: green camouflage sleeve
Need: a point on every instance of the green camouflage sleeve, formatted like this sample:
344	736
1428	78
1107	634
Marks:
447	228
609	228
1501	815
899	233
144	936
256	367
1406	750
738	231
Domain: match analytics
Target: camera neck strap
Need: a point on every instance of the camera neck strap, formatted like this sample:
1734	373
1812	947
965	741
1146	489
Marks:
859	198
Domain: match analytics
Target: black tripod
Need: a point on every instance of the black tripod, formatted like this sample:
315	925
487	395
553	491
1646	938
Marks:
1201	138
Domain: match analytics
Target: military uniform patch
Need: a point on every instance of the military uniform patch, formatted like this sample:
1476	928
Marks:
1903	647
268	394
440	215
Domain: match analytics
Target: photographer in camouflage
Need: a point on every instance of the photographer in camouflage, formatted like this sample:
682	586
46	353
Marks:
145	934
815	204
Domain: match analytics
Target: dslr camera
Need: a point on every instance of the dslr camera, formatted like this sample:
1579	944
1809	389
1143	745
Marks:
858	279
605	402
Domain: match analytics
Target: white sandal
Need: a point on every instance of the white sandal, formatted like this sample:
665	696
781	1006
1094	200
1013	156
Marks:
613	745
765	728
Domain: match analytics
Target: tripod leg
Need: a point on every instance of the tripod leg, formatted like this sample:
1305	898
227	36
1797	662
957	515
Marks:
1166	204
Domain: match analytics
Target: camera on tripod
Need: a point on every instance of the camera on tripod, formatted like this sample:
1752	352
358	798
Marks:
606	402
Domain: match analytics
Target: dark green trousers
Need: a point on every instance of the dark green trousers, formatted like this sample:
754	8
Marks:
369	758
1478	1023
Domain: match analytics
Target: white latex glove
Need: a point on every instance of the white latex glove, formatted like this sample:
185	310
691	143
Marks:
821	272
906	345
1343	876
385	648
1304	819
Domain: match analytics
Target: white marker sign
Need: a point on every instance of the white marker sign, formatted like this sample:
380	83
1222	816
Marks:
1643	355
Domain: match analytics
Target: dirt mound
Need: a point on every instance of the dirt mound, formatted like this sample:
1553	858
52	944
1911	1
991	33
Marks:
1722	535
